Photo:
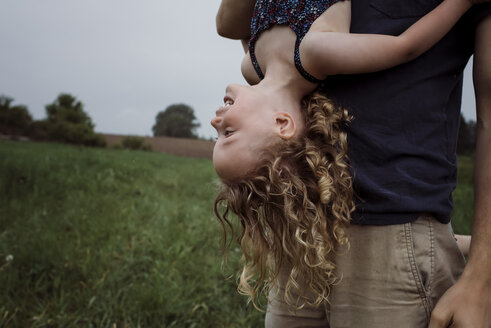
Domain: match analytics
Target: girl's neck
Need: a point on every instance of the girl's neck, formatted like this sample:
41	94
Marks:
286	81
286	95
285	78
281	90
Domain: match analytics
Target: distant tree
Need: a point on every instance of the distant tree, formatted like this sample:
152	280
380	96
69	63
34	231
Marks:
14	120
466	143
177	121
68	122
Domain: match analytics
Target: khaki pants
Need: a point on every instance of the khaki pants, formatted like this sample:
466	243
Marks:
392	276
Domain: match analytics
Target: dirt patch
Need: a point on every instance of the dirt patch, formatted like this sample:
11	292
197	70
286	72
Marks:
174	146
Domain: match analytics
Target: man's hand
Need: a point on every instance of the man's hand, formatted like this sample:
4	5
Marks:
464	305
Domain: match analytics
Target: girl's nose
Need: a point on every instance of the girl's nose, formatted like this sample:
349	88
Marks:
215	122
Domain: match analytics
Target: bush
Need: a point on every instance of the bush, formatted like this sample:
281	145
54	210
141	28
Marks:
66	122
63	131
136	143
95	140
14	120
38	130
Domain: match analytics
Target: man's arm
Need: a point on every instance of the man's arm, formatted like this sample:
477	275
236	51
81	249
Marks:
468	302
234	18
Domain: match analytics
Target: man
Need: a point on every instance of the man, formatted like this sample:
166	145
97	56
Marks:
403	264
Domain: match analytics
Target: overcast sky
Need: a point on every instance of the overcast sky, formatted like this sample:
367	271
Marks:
125	60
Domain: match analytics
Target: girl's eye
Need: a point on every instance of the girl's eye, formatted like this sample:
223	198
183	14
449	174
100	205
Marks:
227	133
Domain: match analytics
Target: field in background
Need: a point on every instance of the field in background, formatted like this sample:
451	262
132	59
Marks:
464	196
114	238
175	146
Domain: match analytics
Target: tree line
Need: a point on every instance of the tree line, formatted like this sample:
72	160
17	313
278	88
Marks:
466	144
67	121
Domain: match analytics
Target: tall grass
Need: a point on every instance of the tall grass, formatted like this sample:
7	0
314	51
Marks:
112	238
109	238
464	196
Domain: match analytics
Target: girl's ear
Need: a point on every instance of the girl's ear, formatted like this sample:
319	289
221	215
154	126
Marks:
285	125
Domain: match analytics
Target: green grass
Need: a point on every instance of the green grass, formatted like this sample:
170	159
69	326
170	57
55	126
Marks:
464	196
113	238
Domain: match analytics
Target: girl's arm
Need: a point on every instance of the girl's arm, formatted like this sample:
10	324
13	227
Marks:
330	53
234	18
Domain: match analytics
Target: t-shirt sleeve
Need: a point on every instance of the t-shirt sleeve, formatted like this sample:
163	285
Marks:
479	12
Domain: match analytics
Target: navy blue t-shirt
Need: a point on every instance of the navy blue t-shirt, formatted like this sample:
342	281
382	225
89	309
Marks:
402	140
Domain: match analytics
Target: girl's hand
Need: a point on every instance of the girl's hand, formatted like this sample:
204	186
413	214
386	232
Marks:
464	243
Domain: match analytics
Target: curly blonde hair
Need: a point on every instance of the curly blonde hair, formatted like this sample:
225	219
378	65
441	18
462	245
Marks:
294	208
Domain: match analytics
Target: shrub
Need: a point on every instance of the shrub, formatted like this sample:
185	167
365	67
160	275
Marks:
38	130
66	122
14	120
64	131
136	143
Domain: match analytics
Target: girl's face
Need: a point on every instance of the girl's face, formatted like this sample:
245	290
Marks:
246	127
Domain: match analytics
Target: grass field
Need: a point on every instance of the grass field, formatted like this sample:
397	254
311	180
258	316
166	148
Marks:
112	238
464	196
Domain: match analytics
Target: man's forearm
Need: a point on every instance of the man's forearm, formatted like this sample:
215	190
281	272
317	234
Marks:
234	18
468	302
480	252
